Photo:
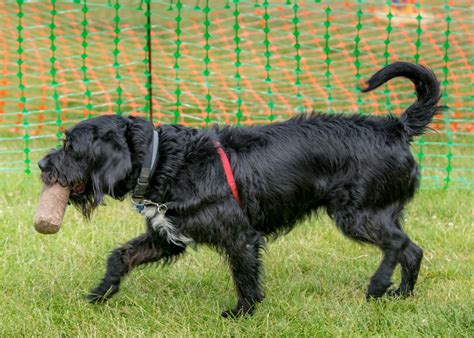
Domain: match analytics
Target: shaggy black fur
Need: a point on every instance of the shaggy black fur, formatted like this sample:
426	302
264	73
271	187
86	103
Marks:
359	168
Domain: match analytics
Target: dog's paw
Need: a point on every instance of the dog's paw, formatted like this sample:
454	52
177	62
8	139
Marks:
101	294
377	290
234	313
238	312
229	314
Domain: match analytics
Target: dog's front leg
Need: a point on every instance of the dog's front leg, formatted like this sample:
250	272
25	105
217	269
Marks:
144	249
244	258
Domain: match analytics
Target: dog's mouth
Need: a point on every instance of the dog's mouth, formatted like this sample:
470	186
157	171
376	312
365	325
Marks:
78	188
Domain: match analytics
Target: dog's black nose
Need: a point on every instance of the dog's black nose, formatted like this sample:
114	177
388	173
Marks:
42	164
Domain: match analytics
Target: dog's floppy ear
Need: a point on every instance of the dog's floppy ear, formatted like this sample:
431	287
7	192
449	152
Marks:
112	162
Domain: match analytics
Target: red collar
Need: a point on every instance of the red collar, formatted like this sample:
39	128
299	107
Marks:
228	170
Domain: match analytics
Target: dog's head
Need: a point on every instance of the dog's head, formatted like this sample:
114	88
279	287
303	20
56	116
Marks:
94	160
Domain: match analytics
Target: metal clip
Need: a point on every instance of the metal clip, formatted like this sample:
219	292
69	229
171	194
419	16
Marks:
140	206
161	208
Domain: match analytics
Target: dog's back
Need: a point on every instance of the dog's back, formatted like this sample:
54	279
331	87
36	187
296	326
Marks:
289	169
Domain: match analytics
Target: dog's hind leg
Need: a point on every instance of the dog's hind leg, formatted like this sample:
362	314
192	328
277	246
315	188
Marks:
394	242
410	262
146	248
244	258
379	228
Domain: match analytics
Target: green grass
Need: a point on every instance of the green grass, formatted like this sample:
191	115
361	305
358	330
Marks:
315	279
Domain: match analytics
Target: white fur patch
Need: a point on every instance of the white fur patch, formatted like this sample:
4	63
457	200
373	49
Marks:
164	227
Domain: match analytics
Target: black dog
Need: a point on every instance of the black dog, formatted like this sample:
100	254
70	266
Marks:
359	168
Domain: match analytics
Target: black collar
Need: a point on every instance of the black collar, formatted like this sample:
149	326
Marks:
148	168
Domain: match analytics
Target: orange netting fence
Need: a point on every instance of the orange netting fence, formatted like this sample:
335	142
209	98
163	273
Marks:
237	62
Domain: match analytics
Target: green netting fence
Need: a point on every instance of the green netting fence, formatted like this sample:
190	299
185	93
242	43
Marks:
237	62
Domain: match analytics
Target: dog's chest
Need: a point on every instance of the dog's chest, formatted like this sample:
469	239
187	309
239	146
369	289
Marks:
161	224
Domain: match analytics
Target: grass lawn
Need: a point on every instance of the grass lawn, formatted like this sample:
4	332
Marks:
315	279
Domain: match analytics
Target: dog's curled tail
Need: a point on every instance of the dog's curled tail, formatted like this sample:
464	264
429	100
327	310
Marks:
417	117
